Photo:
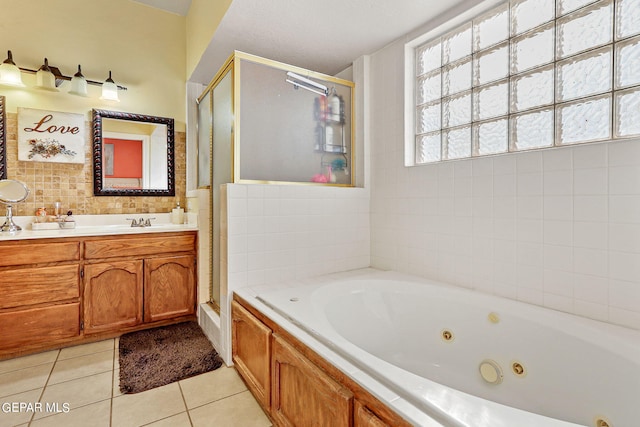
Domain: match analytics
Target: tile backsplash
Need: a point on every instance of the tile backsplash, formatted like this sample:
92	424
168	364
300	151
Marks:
72	184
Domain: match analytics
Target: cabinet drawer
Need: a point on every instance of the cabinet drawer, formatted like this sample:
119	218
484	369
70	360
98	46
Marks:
28	286
141	245
20	253
39	325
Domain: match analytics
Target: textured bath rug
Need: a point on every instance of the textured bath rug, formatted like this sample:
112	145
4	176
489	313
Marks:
159	356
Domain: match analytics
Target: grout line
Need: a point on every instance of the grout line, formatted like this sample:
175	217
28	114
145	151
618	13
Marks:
184	400
44	387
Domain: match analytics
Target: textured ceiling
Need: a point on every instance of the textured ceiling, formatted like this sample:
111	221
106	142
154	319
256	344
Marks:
322	36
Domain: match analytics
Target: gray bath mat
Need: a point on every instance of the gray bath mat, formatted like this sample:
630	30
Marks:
159	356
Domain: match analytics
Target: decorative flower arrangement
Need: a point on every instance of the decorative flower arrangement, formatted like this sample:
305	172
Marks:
48	148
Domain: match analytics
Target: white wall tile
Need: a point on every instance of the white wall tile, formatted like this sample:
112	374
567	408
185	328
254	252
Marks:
558	283
624	266
559	258
590	156
591	181
593	235
624	179
591	208
624	237
622	153
624	208
558	232
591	288
591	261
624	294
559	208
558	182
529	184
557	160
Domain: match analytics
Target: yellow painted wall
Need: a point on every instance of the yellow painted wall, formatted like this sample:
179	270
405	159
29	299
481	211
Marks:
202	20
145	48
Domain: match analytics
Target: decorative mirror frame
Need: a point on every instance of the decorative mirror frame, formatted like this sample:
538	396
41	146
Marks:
3	140
98	189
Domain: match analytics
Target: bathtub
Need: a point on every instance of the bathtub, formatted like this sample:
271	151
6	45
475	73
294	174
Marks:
469	359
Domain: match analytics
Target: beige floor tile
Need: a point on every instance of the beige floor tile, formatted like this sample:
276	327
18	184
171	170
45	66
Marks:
94	415
211	386
116	383
28	361
240	410
180	420
146	407
24	379
13	416
79	392
84	349
82	366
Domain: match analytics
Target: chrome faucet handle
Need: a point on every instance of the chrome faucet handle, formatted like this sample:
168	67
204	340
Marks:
147	223
133	222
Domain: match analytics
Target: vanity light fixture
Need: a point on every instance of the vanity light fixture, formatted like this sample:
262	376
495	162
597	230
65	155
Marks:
45	79
78	84
10	73
109	90
50	78
298	81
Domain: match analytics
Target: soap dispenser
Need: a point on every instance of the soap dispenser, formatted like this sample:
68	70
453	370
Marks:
177	215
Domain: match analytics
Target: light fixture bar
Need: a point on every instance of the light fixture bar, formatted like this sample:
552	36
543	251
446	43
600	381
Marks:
308	82
60	78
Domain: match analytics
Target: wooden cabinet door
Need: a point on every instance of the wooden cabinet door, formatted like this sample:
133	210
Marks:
112	295
363	417
251	352
304	395
169	287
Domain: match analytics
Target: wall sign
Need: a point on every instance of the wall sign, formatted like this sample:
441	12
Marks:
50	136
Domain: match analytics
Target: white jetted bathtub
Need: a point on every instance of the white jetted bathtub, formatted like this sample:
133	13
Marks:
470	359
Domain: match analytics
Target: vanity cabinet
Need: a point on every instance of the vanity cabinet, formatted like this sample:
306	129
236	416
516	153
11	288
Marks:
131	280
112	295
293	384
64	291
169	287
40	293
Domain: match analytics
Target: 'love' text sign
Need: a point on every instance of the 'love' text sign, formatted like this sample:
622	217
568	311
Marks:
50	136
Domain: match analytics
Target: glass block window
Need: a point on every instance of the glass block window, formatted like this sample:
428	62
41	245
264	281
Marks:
529	74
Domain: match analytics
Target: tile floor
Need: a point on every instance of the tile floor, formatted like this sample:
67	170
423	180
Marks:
78	386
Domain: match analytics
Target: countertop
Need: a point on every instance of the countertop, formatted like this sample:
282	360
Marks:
101	225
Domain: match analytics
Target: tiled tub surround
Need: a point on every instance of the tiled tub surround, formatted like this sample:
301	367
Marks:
277	233
558	227
418	368
72	184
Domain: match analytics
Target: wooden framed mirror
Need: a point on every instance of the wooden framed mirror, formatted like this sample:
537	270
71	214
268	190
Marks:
133	154
3	140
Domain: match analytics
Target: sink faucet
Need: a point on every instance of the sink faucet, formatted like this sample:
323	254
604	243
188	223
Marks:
141	222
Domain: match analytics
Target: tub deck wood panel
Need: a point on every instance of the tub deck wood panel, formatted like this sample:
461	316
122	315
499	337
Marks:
360	396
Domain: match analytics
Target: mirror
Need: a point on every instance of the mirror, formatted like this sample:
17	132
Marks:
3	141
133	154
11	192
